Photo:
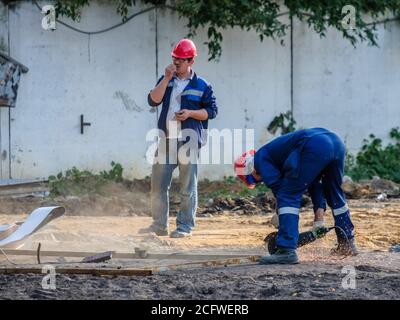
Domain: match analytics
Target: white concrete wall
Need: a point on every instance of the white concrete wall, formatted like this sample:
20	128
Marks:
354	92
71	75
108	76
4	112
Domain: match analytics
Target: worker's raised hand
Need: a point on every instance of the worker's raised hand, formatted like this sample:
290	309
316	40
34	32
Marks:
170	71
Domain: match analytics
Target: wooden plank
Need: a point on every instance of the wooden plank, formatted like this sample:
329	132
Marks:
208	264
6	57
185	256
129	271
126	255
79	270
66	254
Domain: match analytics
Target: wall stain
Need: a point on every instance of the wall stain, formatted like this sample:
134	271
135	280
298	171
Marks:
128	102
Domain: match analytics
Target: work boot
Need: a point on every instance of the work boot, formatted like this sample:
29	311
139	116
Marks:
281	256
180	234
159	232
345	247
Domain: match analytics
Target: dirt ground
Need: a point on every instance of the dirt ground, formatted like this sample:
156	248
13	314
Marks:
376	276
319	276
377	228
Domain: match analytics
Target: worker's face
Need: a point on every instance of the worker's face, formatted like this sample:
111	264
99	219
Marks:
182	65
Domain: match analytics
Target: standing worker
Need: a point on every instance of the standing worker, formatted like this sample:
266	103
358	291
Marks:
290	165
188	103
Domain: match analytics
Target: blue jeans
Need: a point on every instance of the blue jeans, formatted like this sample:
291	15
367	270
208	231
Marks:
161	182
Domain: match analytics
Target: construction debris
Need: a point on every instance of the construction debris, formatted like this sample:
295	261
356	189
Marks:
17	188
371	189
395	248
101	257
382	197
383	186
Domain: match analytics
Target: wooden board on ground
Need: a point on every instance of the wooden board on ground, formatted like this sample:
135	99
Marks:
124	271
76	270
126	255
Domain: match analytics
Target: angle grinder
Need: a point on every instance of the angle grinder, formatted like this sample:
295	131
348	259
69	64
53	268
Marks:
304	238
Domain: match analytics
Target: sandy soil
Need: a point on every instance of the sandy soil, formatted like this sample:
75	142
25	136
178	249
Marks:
318	276
377	228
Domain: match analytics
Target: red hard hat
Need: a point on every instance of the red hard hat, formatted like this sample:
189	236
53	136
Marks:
244	166
184	49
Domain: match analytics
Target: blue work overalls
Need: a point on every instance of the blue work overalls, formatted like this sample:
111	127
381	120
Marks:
310	159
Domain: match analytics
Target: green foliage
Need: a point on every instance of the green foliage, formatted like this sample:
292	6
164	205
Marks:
262	16
115	174
349	164
257	15
232	188
283	122
328	13
260	188
374	159
70	8
77	182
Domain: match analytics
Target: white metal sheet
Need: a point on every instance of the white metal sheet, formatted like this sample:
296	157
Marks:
36	220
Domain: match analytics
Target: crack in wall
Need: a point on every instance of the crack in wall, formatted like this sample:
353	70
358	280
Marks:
127	101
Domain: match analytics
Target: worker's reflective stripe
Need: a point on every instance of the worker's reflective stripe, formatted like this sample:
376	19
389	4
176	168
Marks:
288	210
340	210
192	92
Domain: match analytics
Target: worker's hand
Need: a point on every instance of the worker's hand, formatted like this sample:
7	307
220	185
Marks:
170	71
183	115
317	225
319	214
318	219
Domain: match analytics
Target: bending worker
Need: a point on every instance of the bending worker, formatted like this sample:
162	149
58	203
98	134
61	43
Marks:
309	159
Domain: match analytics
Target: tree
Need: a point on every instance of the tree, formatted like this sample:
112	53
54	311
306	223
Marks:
263	16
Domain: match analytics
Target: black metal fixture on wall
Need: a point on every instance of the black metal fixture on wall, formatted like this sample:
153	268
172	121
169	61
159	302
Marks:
83	124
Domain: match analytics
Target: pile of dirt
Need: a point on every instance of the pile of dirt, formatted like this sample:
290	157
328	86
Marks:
370	189
263	203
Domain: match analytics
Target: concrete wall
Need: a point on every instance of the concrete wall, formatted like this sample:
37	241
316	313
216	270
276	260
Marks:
4	112
354	92
104	77
107	77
